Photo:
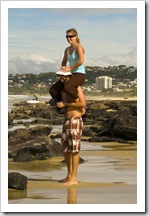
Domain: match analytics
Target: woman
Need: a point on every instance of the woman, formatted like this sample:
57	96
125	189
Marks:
74	55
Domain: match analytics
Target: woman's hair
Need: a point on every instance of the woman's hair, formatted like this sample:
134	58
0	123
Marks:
75	33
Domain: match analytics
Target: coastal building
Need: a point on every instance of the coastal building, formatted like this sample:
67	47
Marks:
103	82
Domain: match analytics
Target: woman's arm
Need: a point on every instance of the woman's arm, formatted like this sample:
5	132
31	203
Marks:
64	61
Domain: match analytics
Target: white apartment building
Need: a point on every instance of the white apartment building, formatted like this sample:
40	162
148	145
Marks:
103	82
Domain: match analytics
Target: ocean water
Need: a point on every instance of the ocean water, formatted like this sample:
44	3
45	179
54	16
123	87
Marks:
17	98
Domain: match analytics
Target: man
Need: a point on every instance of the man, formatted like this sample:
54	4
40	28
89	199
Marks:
72	130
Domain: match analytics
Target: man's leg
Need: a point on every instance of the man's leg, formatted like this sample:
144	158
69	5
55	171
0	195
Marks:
72	158
68	160
75	161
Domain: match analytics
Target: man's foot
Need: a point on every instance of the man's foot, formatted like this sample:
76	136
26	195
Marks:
64	180
68	183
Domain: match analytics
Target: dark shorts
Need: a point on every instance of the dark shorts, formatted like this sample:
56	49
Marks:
71	135
70	88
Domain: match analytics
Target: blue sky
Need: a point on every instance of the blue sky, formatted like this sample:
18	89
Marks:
36	37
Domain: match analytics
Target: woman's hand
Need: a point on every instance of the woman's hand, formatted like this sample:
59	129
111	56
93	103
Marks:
65	68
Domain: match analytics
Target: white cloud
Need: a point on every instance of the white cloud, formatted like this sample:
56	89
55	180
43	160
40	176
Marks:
37	63
128	59
32	64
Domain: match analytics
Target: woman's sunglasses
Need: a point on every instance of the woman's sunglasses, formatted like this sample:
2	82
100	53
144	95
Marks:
69	36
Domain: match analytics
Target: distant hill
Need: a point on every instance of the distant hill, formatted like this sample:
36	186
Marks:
118	72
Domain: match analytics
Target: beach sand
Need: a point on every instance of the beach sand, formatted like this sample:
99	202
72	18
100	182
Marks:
108	176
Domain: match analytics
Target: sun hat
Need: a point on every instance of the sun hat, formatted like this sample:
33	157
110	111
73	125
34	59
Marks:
63	73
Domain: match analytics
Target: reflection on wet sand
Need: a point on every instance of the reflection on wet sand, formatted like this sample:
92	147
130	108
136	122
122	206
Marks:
52	192
72	196
108	176
16	194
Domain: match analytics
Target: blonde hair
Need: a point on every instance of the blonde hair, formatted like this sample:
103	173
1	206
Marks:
75	33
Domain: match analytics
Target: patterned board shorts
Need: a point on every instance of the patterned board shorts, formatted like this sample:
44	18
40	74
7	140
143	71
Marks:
71	135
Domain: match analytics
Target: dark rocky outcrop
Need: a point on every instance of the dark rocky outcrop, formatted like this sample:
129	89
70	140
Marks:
122	125
23	135
17	181
24	110
104	121
38	149
32	144
113	121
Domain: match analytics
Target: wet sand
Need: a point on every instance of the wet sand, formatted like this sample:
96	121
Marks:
108	176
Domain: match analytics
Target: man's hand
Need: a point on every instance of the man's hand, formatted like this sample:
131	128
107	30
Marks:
61	104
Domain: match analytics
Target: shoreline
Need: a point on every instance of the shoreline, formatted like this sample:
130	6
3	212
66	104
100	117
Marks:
87	97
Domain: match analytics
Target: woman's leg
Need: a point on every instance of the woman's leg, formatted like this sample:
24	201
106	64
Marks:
55	90
71	86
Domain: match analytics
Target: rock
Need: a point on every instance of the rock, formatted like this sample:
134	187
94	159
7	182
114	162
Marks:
99	105
122	125
40	148
24	110
59	135
10	119
23	135
119	125
32	144
17	181
10	155
125	127
108	118
41	121
96	128
87	132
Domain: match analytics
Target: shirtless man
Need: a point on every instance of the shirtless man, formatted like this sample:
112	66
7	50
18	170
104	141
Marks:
72	131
